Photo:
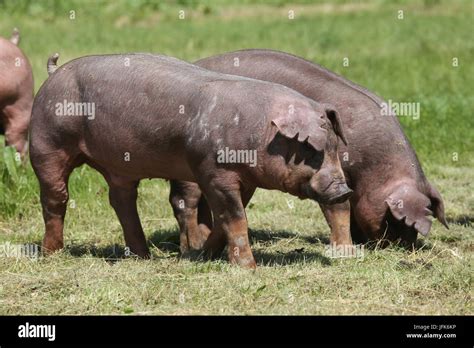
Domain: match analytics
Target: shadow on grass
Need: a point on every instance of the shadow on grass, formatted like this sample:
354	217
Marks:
277	257
463	220
167	241
288	258
112	252
420	244
273	236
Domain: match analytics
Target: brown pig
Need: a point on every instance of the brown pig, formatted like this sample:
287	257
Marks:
139	116
16	93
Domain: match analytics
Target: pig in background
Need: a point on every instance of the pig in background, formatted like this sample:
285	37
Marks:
16	93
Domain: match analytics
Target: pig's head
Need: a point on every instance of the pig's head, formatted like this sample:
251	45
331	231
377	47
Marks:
400	210
308	138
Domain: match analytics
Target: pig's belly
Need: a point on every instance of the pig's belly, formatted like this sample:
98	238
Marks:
140	161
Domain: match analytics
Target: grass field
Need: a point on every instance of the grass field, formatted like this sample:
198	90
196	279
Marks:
409	60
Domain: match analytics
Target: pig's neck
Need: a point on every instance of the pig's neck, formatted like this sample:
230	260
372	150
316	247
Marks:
378	179
273	173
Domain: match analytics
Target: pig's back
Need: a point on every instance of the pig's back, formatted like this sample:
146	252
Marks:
137	100
143	88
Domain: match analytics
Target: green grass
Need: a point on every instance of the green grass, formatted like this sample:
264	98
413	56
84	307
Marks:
402	60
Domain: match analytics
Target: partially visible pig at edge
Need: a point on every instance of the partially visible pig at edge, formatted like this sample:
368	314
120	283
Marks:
16	93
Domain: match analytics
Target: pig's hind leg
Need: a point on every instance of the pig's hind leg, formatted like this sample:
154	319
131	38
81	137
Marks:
17	117
123	196
192	213
53	169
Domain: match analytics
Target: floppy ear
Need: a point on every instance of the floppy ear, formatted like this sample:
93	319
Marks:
336	122
437	205
302	124
408	204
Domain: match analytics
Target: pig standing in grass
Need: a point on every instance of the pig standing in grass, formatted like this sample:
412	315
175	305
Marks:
392	198
16	93
142	116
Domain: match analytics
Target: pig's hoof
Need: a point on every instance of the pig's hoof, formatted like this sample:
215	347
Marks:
141	254
50	248
194	239
244	262
183	249
342	239
196	244
342	244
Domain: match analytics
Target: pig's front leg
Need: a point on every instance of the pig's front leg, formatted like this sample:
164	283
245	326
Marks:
192	213
338	218
230	223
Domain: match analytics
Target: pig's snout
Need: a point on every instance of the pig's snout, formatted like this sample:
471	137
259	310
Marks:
329	187
339	194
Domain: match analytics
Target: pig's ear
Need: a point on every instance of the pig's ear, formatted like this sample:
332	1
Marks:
437	205
303	126
408	204
15	38
335	119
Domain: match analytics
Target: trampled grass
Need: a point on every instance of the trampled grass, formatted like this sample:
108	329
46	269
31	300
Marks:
402	60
